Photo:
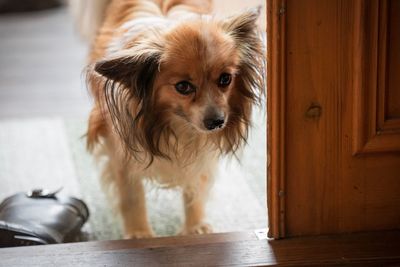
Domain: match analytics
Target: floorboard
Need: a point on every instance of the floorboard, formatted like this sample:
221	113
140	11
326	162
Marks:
239	249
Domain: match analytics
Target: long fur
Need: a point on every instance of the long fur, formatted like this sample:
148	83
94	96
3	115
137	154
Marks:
141	130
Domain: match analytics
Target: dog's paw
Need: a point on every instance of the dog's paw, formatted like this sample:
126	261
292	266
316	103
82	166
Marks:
139	235
198	229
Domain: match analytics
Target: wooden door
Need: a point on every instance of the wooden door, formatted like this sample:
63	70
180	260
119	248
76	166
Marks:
334	113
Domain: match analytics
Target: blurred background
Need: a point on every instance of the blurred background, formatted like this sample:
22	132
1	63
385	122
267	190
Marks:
44	106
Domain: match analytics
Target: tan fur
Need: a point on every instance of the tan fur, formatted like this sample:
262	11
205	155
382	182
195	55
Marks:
143	127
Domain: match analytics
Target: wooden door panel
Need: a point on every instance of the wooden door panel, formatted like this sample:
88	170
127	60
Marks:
340	140
393	94
376	76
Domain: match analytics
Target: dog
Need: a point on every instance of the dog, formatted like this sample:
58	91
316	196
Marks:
173	90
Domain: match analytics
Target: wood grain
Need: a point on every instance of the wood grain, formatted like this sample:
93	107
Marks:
369	249
276	117
331	55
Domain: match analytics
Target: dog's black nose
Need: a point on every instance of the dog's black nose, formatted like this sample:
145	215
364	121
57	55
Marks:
213	123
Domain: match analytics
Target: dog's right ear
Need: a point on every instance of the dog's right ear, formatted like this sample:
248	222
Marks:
117	68
128	76
133	68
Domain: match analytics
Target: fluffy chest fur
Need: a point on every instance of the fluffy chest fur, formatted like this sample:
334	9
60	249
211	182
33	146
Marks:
185	165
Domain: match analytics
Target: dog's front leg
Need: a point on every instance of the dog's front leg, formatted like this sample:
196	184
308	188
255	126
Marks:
132	206
194	202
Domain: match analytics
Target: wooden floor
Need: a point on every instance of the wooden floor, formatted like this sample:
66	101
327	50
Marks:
240	249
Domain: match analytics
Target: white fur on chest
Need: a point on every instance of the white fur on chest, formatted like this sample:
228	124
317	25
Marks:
172	173
166	173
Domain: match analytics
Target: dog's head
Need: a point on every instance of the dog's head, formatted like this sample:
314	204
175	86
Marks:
201	76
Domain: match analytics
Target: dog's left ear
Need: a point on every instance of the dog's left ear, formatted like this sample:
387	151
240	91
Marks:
245	33
243	27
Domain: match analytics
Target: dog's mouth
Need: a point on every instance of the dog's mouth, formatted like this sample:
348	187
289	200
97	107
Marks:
209	131
203	129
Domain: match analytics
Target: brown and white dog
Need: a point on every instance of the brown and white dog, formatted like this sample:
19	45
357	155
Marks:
174	89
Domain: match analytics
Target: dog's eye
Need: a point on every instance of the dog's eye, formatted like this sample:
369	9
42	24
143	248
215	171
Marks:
224	80
185	88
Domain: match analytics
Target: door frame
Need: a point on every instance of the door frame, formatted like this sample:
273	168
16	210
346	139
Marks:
276	82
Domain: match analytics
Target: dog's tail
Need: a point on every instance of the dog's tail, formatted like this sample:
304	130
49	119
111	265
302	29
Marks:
88	16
